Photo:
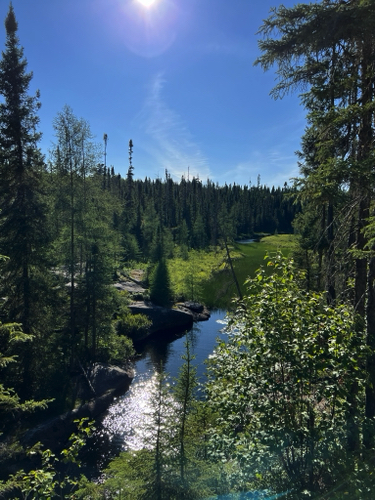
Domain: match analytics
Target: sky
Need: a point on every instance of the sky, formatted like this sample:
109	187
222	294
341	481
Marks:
177	77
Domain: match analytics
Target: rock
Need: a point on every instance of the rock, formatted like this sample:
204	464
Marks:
130	286
107	381
101	378
193	306
163	318
199	312
106	378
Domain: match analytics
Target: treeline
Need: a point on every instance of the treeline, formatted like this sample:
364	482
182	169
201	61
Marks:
193	213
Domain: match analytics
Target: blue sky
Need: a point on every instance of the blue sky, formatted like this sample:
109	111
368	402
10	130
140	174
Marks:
176	77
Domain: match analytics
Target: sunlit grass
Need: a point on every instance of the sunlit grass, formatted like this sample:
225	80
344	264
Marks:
202	275
188	272
219	291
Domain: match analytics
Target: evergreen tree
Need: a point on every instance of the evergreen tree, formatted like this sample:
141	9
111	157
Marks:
24	229
320	47
86	242
23	214
161	290
184	395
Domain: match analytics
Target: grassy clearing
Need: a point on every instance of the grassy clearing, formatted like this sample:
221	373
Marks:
187	275
254	253
204	275
218	291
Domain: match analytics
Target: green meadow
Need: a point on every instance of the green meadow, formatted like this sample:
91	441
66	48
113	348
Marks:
219	289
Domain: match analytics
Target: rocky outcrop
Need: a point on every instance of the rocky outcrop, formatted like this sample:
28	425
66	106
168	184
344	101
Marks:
130	286
198	311
101	378
106	382
162	318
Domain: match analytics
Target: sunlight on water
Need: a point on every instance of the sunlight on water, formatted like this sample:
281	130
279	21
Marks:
222	322
127	418
128	423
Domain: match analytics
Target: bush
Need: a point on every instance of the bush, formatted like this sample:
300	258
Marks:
281	383
134	326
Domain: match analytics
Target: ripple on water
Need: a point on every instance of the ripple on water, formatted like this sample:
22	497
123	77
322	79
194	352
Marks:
128	422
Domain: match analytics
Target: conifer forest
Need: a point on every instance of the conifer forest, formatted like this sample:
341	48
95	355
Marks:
287	409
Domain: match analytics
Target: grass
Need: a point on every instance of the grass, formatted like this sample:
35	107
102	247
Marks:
204	276
220	289
187	275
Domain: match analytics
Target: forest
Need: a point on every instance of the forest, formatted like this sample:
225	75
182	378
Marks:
288	409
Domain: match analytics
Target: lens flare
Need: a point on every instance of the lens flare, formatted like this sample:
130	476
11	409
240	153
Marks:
147	3
147	27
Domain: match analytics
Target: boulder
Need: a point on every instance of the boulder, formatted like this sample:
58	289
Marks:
163	318
107	381
198	311
193	306
101	378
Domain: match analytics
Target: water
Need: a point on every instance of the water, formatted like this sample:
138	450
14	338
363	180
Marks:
247	241
124	425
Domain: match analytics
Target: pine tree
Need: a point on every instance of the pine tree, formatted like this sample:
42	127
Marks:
23	216
86	242
184	395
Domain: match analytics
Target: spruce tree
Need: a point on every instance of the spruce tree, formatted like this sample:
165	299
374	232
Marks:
23	234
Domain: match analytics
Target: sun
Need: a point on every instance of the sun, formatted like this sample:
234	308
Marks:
147	3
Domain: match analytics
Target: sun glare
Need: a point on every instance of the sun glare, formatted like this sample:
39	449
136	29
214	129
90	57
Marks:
147	3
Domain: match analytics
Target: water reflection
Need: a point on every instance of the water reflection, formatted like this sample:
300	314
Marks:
126	424
166	351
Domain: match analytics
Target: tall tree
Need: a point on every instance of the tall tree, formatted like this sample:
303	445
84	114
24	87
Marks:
85	241
329	47
23	216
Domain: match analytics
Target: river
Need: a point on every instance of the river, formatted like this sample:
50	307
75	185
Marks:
122	426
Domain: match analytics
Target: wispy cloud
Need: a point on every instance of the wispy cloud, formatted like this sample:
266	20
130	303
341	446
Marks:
170	142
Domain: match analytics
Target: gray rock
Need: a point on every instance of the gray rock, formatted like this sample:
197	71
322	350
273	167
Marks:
193	306
162	318
130	286
199	312
99	379
107	381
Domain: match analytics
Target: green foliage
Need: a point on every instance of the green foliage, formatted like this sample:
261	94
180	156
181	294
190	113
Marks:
172	465
279	384
161	292
24	231
134	326
46	482
114	348
219	290
184	396
11	406
191	270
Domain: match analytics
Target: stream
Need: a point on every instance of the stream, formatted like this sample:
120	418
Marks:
122	426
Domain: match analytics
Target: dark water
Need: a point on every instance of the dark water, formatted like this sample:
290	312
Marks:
123	425
202	338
